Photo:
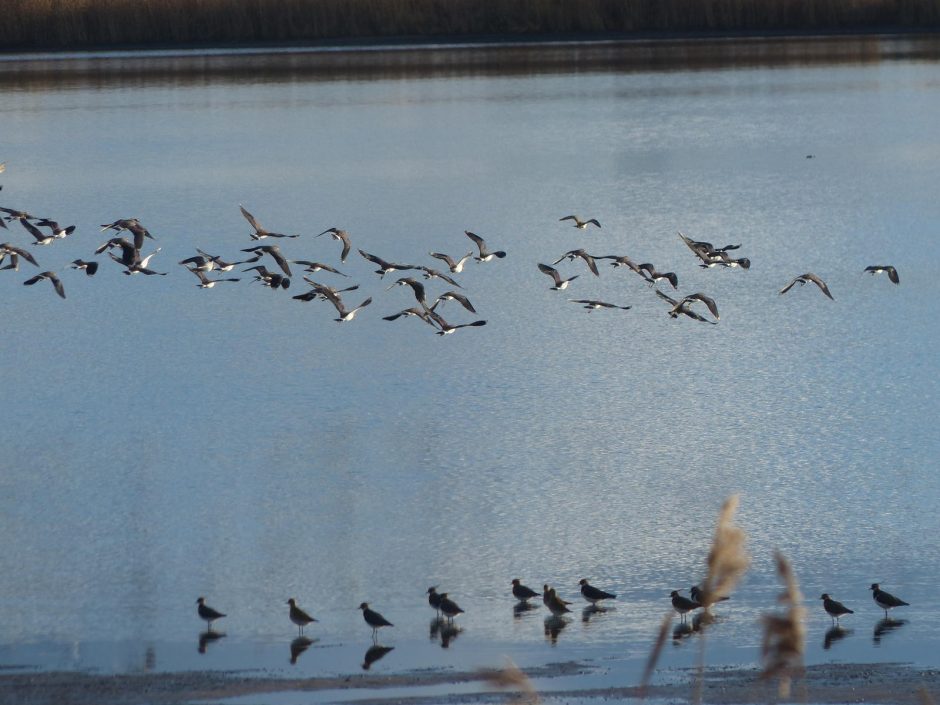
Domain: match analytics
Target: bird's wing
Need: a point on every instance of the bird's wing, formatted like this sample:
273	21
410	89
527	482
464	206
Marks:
251	219
789	286
820	283
550	271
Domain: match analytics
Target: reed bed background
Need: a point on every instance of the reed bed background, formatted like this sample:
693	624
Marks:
61	24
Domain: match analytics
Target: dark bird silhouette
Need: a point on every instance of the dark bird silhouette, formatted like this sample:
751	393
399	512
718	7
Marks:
521	592
435	274
485	254
384	266
259	232
275	252
449	608
273	280
58	231
705	599
40	237
808	277
651	275
318	291
313	267
446	328
593	594
888	269
454	296
560	284
421	313
683	605
885	600
206	283
691	298
434	599
572	255
207	613
416	287
343	237
133	226
51	276
833	608
89	267
373	654
593	305
578	223
682	307
621	261
374	619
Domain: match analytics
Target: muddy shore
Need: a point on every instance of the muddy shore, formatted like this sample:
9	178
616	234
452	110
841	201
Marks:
830	683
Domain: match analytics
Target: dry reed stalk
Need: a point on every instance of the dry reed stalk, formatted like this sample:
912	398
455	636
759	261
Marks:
727	559
511	678
655	652
784	634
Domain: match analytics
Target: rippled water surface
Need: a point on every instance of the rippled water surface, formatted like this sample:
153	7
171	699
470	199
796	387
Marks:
162	442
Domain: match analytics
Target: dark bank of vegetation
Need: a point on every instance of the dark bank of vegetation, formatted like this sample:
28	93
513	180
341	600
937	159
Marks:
60	24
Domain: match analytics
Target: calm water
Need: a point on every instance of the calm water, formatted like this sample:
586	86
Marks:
162	442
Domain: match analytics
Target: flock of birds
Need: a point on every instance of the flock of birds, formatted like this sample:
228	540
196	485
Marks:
269	265
447	610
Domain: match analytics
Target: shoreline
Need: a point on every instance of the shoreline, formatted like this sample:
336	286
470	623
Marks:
825	683
475	41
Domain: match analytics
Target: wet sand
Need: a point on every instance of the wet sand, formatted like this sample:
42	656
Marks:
830	683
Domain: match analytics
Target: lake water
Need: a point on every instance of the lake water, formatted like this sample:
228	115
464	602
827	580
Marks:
162	442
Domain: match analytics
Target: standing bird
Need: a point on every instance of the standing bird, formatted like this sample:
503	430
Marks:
578	223
51	276
705	599
560	284
343	237
434	599
259	232
885	600
485	254
521	592
808	277
553	602
833	608
888	269
207	613
683	605
374	619
299	617
449	608
593	594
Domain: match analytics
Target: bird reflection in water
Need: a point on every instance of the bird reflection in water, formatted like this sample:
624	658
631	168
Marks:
446	631
520	608
834	634
207	637
886	626
553	627
298	646
591	611
681	631
373	654
449	632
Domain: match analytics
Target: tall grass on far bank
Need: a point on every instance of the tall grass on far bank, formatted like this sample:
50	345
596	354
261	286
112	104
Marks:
57	24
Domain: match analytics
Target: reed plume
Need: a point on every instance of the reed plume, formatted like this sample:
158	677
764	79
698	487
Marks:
511	678
727	560
655	652
784	634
